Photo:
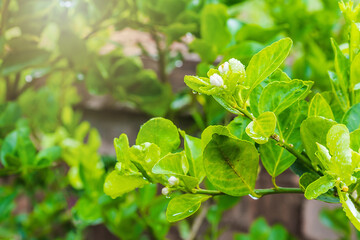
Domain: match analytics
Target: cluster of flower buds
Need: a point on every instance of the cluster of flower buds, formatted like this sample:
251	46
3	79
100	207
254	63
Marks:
173	182
232	66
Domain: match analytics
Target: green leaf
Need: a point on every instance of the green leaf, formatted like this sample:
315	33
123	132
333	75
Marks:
338	143
225	102
341	67
18	149
194	156
352	118
277	96
207	134
176	30
278	232
122	148
314	130
202	85
279	75
162	132
73	48
350	209
265	62
144	157
116	185
237	128
336	219
17	61
255	97
338	139
355	140
213	28
275	158
307	178
172	164
184	206
341	97
175	164
206	50
355	72
231	165
7	203
257	33
320	186
262	127
10	113
354	38
243	51
320	108
46	156
324	156
260	229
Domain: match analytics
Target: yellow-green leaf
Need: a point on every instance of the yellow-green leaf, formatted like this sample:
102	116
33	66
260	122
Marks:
264	63
320	108
320	186
160	131
261	128
184	206
116	185
231	165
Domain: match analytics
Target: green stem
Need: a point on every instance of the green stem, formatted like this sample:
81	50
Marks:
273	179
208	192
290	148
279	190
259	192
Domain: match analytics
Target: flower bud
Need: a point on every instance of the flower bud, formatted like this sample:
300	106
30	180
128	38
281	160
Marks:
236	66
216	80
224	68
165	191
173	181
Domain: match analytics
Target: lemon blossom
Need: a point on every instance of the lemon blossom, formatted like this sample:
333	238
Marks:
236	66
165	191
216	80
173	181
224	68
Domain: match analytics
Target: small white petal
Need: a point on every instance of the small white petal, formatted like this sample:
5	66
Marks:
224	68
165	191
173	181
216	80
236	66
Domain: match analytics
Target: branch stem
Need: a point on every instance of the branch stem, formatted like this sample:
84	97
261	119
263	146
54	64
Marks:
258	192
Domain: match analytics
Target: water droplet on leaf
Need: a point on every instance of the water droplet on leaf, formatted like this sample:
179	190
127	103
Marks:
255	198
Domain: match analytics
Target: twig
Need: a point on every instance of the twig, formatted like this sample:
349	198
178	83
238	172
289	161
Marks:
162	57
259	192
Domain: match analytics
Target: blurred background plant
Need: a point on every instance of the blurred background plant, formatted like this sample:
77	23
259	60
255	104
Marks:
55	53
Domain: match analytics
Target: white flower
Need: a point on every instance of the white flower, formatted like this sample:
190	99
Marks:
165	191
236	66
173	181
224	68
216	80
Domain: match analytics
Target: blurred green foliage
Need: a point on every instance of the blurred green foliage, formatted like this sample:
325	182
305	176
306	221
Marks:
51	172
